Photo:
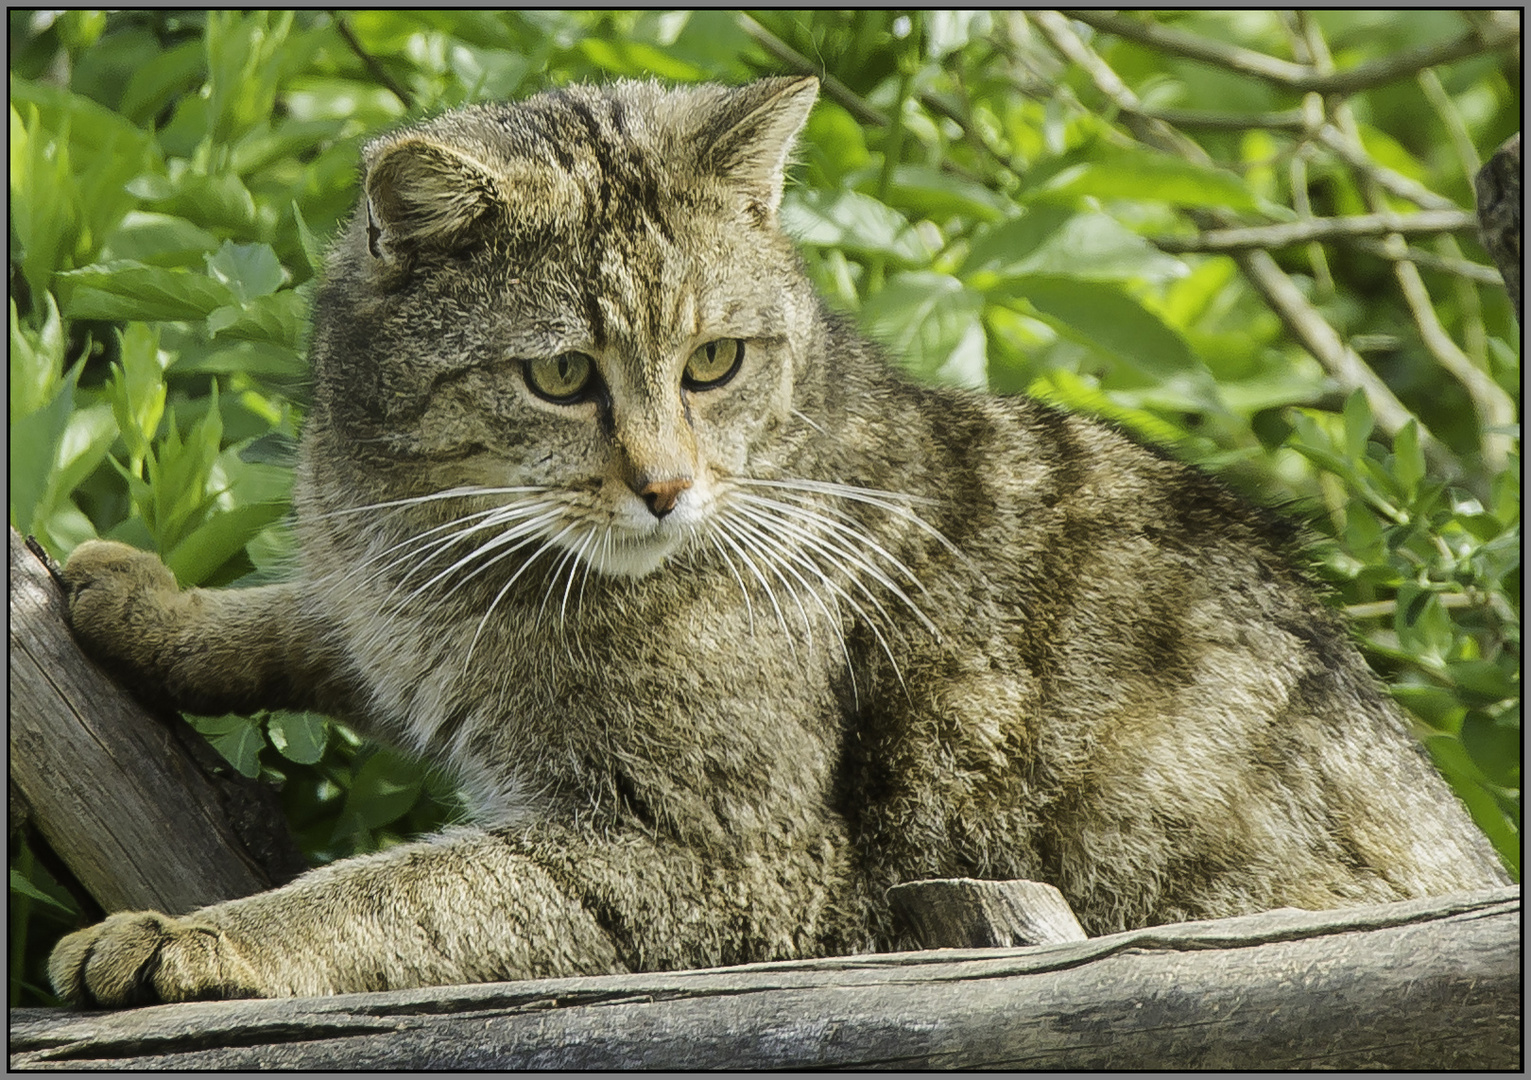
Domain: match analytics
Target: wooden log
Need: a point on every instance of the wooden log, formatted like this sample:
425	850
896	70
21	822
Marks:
963	913
1423	984
1500	208
138	807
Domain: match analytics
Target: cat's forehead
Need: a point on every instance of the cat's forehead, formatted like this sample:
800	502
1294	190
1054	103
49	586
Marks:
629	134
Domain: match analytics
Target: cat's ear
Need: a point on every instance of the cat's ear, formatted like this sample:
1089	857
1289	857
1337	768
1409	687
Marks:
421	194
750	137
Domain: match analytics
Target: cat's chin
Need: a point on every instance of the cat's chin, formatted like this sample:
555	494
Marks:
635	556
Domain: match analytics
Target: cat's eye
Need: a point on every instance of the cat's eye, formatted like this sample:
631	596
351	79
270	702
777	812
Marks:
713	364
561	379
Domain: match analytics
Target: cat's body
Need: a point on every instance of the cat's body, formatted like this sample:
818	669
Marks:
730	638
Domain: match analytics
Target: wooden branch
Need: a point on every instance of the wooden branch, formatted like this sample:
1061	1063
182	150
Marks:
961	913
1423	984
1499	215
139	808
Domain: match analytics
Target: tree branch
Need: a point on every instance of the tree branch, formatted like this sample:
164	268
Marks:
1287	120
374	65
1463	268
1300	77
1288	234
834	89
1280	293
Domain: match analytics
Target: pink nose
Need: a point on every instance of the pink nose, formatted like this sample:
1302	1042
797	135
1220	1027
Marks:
662	494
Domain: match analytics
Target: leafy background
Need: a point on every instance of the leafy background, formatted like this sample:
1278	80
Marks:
1013	201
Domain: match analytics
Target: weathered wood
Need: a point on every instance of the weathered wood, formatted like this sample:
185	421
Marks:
1500	209
963	913
137	806
1424	984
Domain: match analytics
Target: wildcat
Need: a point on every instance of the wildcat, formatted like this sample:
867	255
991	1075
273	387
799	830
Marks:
724	626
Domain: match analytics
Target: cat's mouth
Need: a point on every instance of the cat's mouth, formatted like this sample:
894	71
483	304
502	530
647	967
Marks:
631	545
623	553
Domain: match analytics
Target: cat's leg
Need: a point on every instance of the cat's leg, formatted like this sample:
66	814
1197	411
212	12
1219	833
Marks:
459	908
205	651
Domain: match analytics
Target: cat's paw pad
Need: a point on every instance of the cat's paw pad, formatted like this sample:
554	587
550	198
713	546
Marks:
143	957
117	595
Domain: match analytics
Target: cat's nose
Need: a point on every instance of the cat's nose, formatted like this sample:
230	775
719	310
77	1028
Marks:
662	494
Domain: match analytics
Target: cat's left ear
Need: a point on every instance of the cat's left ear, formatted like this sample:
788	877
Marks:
750	137
422	194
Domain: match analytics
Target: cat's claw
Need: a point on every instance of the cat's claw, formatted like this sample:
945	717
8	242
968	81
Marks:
143	957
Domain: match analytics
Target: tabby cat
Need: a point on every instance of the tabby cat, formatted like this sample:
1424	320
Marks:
723	626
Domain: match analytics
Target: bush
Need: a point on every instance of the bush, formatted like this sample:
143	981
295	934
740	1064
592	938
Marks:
1008	201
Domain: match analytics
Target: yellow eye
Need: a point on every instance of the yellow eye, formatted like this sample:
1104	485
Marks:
560	379
713	364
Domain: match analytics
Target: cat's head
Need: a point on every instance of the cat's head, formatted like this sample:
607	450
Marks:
582	299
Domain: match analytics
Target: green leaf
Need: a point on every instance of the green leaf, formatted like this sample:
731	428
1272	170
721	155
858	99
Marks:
1358	425
1494	746
37	360
932	323
221	203
1484	681
137	389
87	438
313	250
385	788
1436	706
237	738
835	143
158	240
1470	785
21	885
216	540
1408	459
637	58
298	736
277	320
249	270
1052	242
1116	324
934	194
34	450
854	223
1138	173
129	291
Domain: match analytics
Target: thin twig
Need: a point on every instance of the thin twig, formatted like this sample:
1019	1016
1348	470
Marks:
1287	120
847	98
1487	38
1394	183
1343	363
1145	127
372	63
1380	608
1496	411
1288	234
1463	268
1451	119
834	89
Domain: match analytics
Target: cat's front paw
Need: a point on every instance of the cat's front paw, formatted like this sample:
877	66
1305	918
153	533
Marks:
143	957
119	602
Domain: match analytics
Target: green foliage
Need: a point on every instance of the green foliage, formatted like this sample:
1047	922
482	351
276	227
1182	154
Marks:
981	205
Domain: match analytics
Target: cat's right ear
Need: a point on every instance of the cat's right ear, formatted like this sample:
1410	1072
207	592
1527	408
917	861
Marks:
424	195
750	139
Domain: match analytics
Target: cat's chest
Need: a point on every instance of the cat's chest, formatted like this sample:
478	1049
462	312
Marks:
706	660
